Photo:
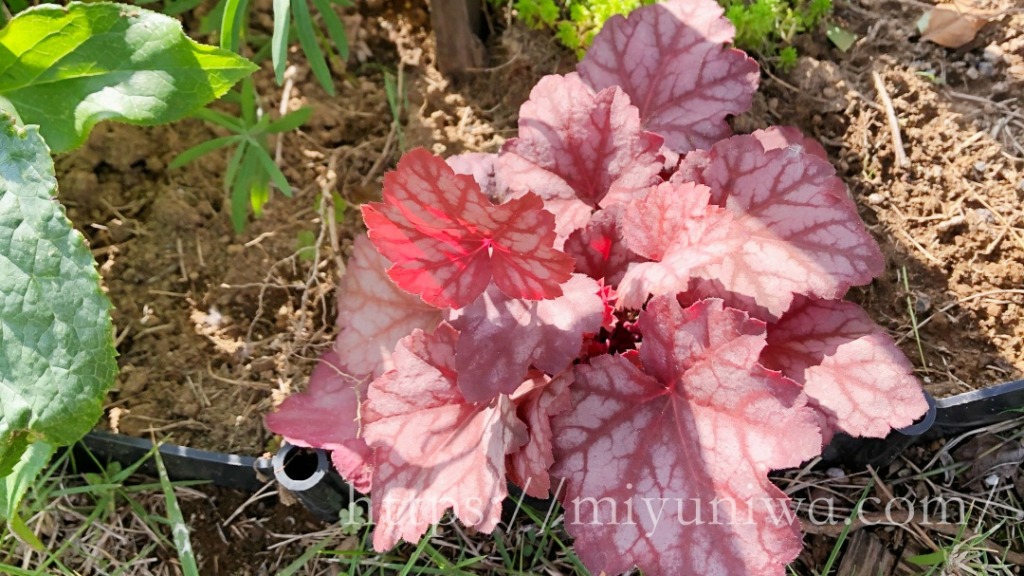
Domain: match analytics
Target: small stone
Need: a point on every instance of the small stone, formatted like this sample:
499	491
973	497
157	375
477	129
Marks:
235	249
875	199
993	53
980	166
922	304
835	473
985	215
973	73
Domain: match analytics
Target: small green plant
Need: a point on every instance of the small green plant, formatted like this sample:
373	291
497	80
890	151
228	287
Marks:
768	27
291	17
250	169
765	27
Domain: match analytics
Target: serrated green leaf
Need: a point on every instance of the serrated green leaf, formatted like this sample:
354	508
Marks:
14	486
67	68
56	336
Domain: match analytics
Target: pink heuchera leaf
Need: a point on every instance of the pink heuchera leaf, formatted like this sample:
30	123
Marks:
685	236
666	467
805	236
536	401
480	166
447	241
433	450
326	416
578	150
502	337
850	368
775	137
600	249
671	59
374	313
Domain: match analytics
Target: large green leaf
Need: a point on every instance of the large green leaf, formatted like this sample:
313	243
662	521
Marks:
67	68
56	336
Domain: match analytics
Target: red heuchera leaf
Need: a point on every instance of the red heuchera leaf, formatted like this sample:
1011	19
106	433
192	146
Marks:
480	166
326	416
502	337
578	150
536	401
695	432
685	236
671	59
447	240
374	313
432	449
850	368
599	248
805	234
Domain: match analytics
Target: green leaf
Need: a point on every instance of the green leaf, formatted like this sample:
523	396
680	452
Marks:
842	38
67	68
335	29
272	170
311	46
14	486
56	338
231	23
201	149
279	41
290	121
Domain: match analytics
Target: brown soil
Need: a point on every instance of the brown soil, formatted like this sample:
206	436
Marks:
215	328
950	221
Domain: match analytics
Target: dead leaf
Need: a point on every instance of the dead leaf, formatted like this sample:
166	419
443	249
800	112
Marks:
950	25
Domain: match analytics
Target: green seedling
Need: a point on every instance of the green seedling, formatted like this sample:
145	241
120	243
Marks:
250	169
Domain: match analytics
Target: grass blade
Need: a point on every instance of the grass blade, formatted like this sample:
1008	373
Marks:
335	29
279	41
201	149
275	173
179	530
291	120
231	24
311	46
220	119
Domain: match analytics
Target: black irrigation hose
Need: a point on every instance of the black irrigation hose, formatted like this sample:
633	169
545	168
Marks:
308	475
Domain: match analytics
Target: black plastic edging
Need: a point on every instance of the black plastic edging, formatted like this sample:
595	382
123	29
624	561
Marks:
308	475
978	408
227	470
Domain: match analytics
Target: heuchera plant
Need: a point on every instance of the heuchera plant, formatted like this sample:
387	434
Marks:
627	300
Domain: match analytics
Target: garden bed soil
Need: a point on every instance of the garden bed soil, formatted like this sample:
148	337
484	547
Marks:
215	328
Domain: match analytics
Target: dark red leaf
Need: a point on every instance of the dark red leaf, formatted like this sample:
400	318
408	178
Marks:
805	236
644	452
447	240
850	368
374	313
685	236
326	416
599	248
671	59
578	151
433	450
536	401
502	337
